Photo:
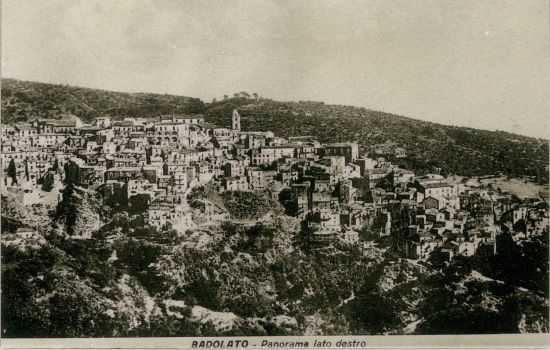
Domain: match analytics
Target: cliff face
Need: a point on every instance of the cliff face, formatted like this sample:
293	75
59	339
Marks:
79	211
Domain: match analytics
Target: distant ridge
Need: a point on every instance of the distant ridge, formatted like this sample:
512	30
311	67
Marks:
413	144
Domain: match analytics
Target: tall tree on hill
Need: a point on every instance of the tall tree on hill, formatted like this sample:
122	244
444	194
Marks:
71	173
12	171
47	182
386	183
27	175
55	166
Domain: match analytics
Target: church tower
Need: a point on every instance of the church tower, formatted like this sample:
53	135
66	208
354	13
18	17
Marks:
236	121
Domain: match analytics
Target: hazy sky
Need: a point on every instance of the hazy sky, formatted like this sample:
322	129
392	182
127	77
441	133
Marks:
479	63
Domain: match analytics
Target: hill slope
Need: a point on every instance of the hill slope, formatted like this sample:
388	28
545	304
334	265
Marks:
22	100
413	144
426	146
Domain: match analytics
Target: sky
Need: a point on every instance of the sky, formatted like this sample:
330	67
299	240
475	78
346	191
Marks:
482	64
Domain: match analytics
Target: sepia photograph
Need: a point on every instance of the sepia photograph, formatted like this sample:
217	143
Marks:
274	174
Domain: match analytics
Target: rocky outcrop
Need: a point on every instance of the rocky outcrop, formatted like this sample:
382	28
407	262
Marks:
79	211
16	214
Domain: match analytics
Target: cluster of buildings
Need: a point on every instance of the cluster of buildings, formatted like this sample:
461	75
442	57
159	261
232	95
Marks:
337	193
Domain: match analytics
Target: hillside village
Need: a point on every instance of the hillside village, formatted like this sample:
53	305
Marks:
167	165
278	173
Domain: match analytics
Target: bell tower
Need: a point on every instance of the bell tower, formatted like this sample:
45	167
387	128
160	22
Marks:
235	120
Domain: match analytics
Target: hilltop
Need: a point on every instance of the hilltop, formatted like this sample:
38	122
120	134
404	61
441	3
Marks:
413	144
23	100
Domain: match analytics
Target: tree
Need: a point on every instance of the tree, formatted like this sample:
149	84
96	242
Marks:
12	171
27	177
288	202
47	182
225	97
55	166
386	183
303	239
214	100
71	173
255	95
139	203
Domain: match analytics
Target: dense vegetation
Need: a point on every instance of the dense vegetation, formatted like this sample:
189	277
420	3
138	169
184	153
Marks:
499	302
131	280
22	101
250	205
